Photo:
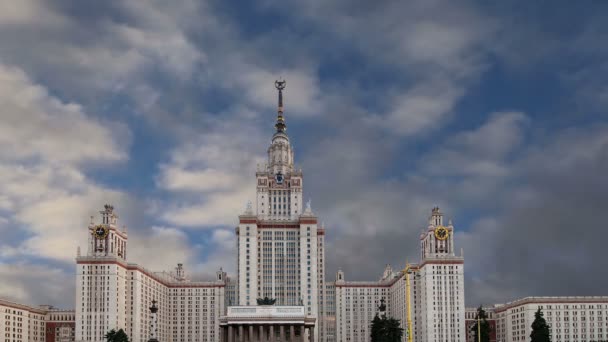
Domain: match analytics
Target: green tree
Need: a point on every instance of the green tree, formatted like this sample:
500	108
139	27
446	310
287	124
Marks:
117	336
110	335
386	330
484	326
393	331
540	328
376	329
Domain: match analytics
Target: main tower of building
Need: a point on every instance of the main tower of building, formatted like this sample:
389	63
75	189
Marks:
280	245
440	285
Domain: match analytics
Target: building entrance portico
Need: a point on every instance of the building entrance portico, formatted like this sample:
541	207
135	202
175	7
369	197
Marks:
267	323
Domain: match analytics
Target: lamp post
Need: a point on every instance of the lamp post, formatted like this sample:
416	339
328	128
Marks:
153	322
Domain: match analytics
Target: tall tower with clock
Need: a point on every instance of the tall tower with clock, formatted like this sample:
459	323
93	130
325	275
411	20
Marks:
279	184
101	279
440	284
106	239
280	244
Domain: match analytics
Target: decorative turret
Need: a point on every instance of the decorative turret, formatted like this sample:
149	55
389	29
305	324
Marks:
106	239
388	272
340	276
437	240
179	272
107	215
436	218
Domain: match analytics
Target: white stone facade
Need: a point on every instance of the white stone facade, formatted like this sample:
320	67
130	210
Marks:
571	319
22	323
280	246
440	281
437	293
114	294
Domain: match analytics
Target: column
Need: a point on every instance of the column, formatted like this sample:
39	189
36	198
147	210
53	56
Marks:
312	334
251	338
261	334
292	333
303	333
272	337
241	335
230	334
282	333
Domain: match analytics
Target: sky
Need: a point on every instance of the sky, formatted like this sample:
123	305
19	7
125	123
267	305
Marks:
493	111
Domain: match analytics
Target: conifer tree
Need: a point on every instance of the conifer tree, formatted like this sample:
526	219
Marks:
386	330
392	330
484	326
117	336
376	334
540	328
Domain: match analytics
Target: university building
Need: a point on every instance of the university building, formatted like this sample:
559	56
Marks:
436	293
23	323
112	293
281	258
281	246
571	319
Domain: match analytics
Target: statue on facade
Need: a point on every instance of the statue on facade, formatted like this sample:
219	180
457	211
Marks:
266	301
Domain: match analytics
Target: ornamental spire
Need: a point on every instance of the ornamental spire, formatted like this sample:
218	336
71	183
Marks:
280	125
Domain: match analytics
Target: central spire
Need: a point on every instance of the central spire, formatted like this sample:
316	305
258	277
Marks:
280	125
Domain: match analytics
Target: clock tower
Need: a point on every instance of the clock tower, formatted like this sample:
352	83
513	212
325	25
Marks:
437	240
105	238
440	284
279	184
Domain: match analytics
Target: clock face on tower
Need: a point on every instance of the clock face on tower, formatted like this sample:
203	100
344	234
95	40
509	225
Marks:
279	177
100	232
441	233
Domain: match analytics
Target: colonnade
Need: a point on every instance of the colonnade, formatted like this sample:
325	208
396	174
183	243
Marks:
267	333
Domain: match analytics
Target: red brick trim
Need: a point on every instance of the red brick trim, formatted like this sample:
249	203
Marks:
22	307
278	225
365	286
442	262
151	275
551	301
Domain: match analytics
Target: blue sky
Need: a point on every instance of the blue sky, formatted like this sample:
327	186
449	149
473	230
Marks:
496	113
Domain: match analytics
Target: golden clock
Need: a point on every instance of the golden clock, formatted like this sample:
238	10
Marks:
100	232
441	233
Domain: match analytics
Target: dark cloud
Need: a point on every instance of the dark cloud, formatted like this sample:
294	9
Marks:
374	111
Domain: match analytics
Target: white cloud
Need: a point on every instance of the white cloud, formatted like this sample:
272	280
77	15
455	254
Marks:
44	145
209	180
223	254
166	47
37	284
29	12
422	109
161	248
37	125
480	152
